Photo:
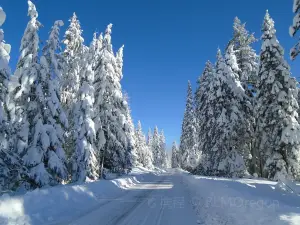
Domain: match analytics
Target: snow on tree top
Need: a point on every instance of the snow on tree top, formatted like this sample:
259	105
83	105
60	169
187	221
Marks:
32	10
59	23
2	16
108	29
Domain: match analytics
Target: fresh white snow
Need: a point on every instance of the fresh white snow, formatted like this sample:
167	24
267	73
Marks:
155	197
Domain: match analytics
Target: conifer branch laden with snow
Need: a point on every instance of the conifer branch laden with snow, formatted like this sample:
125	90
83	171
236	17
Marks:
175	160
188	151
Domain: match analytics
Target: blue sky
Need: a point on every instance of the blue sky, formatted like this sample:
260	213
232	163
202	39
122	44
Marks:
166	43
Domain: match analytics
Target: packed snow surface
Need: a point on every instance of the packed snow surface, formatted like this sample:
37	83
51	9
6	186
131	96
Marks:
155	197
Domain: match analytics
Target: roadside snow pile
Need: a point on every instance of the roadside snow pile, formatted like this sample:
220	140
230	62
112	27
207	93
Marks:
288	186
140	170
220	201
62	203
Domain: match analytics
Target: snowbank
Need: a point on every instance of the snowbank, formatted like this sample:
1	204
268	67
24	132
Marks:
63	203
220	201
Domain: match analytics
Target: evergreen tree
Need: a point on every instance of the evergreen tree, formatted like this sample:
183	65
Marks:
73	55
294	29
204	108
276	111
54	115
175	156
110	107
31	97
163	153
131	151
188	133
156	148
10	163
247	62
85	161
226	120
143	150
140	143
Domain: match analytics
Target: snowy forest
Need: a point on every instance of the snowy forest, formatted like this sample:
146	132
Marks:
65	118
63	114
243	119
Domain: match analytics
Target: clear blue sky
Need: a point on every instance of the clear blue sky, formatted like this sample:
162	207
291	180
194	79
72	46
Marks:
166	42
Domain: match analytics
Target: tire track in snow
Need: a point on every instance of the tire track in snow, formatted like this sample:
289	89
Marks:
120	219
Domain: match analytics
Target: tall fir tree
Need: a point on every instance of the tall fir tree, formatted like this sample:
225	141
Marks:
188	133
131	151
140	143
85	159
175	163
203	108
276	111
73	55
54	116
226	120
143	151
31	96
156	148
110	107
163	153
11	168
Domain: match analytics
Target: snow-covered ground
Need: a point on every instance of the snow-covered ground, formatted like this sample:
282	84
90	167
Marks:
147	197
220	201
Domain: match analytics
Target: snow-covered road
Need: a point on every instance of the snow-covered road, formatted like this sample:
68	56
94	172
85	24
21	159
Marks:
155	198
162	200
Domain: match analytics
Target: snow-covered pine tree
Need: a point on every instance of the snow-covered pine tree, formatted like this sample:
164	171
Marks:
188	133
11	168
277	129
175	163
143	151
73	55
31	99
131	151
247	59
227	119
203	107
55	119
294	29
241	115
85	159
163	153
140	143
156	148
109	107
